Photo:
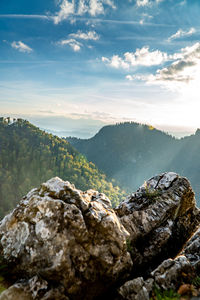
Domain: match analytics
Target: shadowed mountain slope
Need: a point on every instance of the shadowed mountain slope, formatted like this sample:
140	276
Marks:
131	153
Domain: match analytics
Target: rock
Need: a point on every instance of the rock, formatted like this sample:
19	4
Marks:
192	250
136	289
15	292
176	274
35	288
168	274
61	243
184	289
67	237
160	217
25	290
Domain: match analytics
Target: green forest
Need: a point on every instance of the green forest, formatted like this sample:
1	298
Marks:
30	156
132	152
128	152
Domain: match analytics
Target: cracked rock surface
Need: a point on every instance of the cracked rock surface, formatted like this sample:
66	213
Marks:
61	243
68	237
160	217
170	274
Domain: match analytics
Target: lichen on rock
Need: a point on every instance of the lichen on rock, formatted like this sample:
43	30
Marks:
63	244
70	237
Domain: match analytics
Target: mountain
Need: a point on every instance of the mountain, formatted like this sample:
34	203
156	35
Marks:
132	153
29	156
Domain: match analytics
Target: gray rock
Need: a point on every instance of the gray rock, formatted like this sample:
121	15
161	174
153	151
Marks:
168	275
160	217
16	292
192	250
136	289
67	237
62	243
33	289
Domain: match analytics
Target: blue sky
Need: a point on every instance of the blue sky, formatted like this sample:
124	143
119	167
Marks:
73	66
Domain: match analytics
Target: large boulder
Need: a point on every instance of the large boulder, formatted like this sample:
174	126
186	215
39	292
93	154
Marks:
160	217
61	243
67	238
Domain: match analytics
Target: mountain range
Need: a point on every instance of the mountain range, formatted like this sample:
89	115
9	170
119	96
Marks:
132	152
116	161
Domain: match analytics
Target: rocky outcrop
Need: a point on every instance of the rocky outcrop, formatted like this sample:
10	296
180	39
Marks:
62	243
68	237
160	217
177	274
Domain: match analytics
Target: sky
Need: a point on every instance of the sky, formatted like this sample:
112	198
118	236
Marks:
73	66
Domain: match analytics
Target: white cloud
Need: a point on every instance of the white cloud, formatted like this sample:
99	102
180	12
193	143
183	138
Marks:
116	62
144	57
184	67
66	8
96	7
90	35
184	70
141	57
105	59
142	2
75	45
21	47
110	3
130	77
180	33
191	51
147	2
92	7
82	8
145	17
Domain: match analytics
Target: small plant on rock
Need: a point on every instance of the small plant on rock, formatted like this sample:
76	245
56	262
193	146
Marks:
129	246
159	294
196	281
151	193
2	287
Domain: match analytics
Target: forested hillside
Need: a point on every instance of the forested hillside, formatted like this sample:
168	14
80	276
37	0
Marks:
132	153
29	156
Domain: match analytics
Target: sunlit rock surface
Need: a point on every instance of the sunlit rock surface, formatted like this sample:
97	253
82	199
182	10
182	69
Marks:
62	243
66	236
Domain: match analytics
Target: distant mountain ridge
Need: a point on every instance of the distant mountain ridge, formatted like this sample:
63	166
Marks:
29	156
131	153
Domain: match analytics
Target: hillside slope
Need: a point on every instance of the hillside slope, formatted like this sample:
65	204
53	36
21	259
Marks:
132	153
29	156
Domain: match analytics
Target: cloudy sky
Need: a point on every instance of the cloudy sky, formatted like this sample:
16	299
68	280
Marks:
75	65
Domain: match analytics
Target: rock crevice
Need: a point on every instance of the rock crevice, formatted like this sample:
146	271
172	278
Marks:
63	243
